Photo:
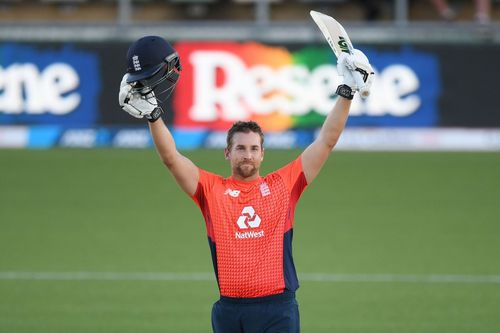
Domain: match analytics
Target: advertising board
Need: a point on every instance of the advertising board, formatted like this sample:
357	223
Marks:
65	94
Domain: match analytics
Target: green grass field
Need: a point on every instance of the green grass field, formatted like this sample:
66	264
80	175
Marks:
408	242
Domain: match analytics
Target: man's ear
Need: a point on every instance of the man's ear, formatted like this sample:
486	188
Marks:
262	157
226	153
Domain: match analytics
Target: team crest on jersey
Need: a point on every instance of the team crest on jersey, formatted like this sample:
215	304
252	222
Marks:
232	193
264	189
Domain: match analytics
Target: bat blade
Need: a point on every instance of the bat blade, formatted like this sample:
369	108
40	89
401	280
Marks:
334	33
339	41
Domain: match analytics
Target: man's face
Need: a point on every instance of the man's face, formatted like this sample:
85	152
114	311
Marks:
245	154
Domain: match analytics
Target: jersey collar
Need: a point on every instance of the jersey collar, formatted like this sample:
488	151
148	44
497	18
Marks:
245	184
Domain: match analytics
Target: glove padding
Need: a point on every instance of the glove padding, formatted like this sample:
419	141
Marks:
349	65
135	104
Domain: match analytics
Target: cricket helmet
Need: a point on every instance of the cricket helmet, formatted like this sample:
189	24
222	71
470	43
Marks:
153	65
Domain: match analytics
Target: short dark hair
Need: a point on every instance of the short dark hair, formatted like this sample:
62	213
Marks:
245	127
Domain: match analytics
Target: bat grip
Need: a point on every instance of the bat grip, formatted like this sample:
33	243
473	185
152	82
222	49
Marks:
361	84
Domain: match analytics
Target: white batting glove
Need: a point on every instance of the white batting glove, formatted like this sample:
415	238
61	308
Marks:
356	64
135	104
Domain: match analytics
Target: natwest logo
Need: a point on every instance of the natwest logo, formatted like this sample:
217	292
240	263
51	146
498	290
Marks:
249	234
248	218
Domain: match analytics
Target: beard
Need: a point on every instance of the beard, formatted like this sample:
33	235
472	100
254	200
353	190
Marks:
246	170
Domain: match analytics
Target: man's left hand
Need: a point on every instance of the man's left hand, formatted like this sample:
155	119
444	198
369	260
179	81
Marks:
357	63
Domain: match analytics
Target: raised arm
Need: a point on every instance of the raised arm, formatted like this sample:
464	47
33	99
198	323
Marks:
146	106
315	156
182	168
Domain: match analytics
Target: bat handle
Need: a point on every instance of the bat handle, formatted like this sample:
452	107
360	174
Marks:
361	85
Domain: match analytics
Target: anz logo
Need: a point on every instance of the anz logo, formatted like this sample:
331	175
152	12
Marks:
249	219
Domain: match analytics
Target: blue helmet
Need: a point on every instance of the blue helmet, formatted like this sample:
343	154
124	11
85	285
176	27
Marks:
152	65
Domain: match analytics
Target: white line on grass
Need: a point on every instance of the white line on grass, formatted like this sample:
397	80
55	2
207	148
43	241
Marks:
203	276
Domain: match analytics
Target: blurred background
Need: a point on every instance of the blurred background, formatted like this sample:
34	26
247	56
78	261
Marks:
62	61
399	233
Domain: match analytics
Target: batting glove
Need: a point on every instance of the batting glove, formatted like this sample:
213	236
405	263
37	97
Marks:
137	105
356	70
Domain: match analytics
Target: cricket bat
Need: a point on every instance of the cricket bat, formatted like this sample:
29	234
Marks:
339	41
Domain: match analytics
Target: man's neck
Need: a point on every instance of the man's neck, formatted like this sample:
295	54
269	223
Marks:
245	179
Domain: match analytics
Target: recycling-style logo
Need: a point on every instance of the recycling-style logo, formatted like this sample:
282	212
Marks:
248	218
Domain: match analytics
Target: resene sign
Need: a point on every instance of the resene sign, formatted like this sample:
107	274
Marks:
48	86
282	89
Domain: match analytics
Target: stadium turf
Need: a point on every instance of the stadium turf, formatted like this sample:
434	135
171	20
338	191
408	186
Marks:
104	241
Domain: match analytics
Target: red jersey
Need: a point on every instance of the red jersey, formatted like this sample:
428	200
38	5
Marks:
250	230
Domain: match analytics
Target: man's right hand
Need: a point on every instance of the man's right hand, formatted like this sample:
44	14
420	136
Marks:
137	105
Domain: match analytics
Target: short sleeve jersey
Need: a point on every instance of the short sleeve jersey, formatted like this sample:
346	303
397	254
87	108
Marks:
250	230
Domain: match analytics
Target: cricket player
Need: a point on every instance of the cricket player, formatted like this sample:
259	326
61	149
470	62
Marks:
249	217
